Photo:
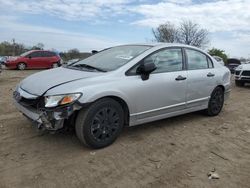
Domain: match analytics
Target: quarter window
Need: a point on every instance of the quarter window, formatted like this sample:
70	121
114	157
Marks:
197	60
210	64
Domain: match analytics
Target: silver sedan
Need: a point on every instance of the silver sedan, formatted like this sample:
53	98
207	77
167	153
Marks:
123	86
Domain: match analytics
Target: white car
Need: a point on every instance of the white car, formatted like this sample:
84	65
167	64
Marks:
123	86
242	74
219	60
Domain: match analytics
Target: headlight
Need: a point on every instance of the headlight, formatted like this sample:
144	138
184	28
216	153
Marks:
56	100
239	67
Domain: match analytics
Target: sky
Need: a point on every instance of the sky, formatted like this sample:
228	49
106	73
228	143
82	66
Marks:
98	24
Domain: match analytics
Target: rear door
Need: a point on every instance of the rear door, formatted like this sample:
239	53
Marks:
47	59
201	78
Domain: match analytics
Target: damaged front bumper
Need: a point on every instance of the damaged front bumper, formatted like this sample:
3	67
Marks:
49	119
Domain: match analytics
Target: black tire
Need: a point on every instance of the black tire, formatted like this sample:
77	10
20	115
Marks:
21	66
239	83
100	124
216	102
55	65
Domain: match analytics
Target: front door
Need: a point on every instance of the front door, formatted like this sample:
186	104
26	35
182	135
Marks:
165	90
35	60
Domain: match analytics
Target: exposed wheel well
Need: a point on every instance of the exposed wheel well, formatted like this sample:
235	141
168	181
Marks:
21	62
71	120
222	87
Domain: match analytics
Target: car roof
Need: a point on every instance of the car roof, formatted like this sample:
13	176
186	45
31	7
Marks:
40	51
162	44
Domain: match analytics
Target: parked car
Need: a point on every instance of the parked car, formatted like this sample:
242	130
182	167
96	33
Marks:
33	60
3	59
242	74
232	67
219	59
124	86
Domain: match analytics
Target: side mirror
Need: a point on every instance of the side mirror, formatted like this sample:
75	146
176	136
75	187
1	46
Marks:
145	69
29	57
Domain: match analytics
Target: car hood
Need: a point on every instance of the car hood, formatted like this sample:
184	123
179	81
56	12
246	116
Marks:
245	66
39	83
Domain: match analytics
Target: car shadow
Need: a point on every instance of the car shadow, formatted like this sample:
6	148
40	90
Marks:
68	136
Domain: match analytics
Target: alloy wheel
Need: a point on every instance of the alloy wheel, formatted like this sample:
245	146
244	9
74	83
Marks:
21	66
105	124
217	100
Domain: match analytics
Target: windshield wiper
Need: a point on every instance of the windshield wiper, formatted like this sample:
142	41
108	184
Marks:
89	67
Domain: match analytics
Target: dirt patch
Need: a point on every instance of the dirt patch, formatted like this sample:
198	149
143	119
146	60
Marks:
176	152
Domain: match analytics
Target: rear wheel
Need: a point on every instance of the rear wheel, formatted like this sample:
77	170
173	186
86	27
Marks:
55	65
216	102
21	66
100	124
239	83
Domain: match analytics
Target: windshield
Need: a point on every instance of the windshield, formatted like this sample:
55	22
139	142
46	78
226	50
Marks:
25	53
112	58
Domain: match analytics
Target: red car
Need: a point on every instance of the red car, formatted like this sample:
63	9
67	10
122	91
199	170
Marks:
33	60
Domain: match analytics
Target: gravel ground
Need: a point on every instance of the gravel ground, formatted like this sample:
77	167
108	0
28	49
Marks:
176	152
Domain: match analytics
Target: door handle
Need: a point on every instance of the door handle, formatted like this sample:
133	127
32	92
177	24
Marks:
210	74
179	78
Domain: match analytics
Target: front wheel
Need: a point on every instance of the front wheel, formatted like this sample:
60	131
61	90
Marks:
100	124
21	66
216	102
55	65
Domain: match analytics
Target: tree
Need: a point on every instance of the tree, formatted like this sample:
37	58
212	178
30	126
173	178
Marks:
38	46
165	33
190	33
14	48
218	52
187	32
73	53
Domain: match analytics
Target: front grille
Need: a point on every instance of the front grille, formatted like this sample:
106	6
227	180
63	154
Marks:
245	73
237	72
35	103
28	102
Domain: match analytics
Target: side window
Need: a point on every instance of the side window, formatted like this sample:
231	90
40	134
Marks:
48	54
196	60
52	54
168	60
45	54
35	54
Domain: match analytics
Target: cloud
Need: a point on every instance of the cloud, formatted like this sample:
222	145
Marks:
69	9
221	15
58	39
237	45
218	16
